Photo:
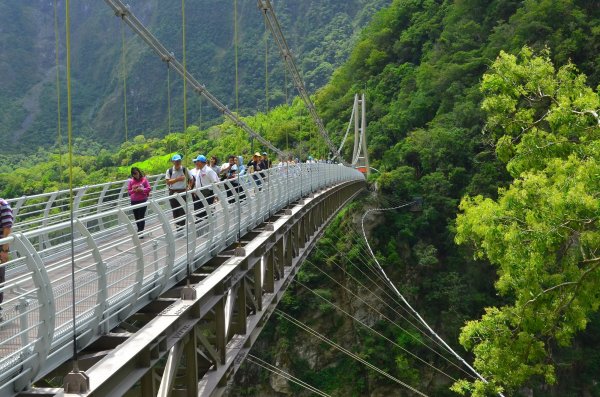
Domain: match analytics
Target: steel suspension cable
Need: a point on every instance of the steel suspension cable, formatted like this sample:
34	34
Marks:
70	157
405	301
184	65
278	371
275	28
392	298
373	269
124	74
266	66
123	11
389	320
347	232
328	341
366	259
373	330
235	50
169	99
58	101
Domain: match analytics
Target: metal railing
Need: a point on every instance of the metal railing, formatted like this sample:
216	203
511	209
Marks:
118	270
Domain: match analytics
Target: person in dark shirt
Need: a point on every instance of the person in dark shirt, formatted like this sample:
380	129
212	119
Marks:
255	166
267	163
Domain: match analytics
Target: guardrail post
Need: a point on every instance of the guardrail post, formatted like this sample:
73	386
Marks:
77	200
18	205
139	274
100	206
45	297
102	293
43	241
218	191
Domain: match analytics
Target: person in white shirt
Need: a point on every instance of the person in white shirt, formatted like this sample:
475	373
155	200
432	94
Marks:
204	177
178	179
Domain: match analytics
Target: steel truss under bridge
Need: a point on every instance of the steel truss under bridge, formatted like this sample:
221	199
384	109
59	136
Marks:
184	308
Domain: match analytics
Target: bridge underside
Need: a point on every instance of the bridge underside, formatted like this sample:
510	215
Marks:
192	340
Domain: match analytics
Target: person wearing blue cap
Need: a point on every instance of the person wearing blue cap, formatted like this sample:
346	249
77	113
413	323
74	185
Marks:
267	163
178	180
204	177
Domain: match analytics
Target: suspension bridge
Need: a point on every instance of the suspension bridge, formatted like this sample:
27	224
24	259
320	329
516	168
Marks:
90	301
143	303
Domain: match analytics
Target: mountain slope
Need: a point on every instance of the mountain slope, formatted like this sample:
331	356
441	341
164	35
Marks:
319	32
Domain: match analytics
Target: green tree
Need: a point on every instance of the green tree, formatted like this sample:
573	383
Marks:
542	232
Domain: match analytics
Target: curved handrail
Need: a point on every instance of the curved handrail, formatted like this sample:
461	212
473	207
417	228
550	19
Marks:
118	271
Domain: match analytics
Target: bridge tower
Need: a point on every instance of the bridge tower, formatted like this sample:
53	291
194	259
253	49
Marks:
360	157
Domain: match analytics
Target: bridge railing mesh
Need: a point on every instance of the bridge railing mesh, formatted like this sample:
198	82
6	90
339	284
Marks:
117	269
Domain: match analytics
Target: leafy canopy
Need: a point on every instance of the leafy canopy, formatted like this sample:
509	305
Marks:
542	232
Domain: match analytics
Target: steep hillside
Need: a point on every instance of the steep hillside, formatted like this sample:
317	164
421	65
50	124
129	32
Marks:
422	63
321	34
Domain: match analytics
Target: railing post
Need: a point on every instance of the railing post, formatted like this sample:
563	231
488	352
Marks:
169	245
45	297
18	205
102	293
43	240
139	253
100	206
218	191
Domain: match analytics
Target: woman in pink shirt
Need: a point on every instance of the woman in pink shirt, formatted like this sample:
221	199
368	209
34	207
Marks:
139	190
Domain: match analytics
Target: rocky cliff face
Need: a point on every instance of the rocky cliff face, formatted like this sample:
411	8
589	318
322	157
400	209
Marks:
343	279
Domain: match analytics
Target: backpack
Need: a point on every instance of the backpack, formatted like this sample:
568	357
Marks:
185	173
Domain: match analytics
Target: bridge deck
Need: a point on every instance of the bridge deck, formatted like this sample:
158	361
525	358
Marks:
116	273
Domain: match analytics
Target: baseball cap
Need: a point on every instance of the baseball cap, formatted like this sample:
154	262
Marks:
176	157
257	154
200	158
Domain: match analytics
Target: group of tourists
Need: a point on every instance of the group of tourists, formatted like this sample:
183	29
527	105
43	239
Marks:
179	179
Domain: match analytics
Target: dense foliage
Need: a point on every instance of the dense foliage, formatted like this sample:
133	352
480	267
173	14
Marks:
422	63
542	231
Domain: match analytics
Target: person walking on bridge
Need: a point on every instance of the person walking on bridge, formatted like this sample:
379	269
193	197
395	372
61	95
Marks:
6	220
267	163
178	180
139	190
204	176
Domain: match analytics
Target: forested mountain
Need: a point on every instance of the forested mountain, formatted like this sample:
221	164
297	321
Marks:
440	130
320	32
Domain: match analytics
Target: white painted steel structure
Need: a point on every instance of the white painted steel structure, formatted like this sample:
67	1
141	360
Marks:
117	271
